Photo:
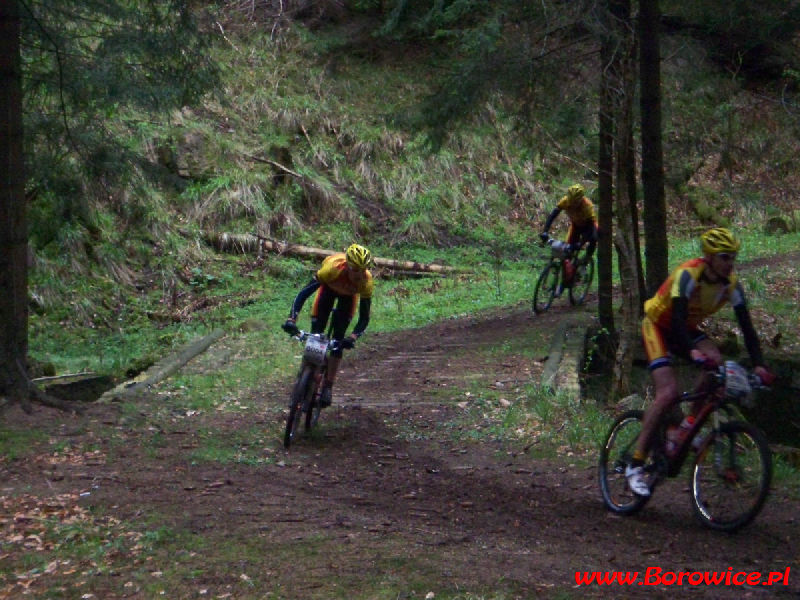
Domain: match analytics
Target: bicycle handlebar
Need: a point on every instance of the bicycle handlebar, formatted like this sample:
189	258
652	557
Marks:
756	383
302	336
719	375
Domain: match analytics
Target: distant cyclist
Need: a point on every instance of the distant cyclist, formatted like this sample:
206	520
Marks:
344	280
695	290
582	220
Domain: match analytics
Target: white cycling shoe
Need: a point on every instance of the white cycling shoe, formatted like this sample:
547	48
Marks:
637	480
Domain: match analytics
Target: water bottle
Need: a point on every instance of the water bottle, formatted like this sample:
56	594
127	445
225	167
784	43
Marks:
675	435
685	426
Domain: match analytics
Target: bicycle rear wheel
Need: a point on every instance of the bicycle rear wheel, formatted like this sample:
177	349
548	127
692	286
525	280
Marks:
731	476
582	281
615	455
546	286
297	404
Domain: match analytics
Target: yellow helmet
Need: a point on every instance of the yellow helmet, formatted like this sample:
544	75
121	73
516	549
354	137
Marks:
719	239
358	256
576	192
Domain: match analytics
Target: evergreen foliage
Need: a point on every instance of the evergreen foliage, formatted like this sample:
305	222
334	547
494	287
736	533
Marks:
87	65
757	40
510	50
300	145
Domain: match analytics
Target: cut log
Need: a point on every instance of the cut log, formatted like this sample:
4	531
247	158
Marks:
160	370
245	243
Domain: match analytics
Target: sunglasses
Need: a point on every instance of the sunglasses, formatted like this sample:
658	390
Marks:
727	256
353	267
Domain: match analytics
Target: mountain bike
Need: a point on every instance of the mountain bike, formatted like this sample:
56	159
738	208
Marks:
304	400
568	266
731	463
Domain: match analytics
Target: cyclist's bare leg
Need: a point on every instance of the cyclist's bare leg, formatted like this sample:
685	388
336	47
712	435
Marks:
666	392
707	347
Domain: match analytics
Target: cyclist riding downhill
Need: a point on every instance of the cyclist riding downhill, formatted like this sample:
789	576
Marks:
695	290
582	225
343	281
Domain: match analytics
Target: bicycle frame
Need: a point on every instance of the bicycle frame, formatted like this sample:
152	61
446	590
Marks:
731	468
711	407
316	351
709	390
560	255
553	280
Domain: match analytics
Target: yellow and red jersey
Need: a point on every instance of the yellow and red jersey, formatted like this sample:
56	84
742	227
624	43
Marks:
580	213
334	274
704	297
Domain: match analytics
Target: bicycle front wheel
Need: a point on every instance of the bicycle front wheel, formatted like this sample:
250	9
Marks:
313	407
582	283
731	476
546	287
615	455
297	404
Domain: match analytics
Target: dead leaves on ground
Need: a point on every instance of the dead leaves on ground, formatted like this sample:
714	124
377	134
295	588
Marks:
44	539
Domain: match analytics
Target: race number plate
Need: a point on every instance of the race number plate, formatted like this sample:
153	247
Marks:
737	387
559	249
315	350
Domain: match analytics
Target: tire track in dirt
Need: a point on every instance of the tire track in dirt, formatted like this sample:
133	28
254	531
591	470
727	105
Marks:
402	369
384	491
489	508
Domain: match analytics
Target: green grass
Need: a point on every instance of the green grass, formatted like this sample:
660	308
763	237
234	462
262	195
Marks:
786	475
455	207
755	244
15	443
240	447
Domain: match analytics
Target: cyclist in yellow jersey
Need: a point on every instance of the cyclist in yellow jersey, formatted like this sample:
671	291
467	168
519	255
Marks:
344	280
582	219
695	290
582	224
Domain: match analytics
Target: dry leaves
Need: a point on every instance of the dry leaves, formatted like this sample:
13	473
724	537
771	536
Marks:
31	525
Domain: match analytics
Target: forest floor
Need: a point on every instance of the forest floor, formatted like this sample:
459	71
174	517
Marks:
383	501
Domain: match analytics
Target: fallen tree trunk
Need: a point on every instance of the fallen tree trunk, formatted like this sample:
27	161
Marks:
160	370
246	243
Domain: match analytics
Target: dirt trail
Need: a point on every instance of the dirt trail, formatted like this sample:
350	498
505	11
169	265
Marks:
386	493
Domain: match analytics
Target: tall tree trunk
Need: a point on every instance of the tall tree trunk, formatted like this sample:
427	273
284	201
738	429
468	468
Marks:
14	382
630	182
621	73
654	207
625	242
605	180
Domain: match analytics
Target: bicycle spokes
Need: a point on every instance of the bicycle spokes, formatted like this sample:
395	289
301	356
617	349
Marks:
615	456
582	282
731	476
546	287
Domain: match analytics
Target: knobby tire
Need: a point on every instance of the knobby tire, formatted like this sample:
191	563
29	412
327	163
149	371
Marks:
297	404
312	401
546	285
580	286
731	476
615	455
